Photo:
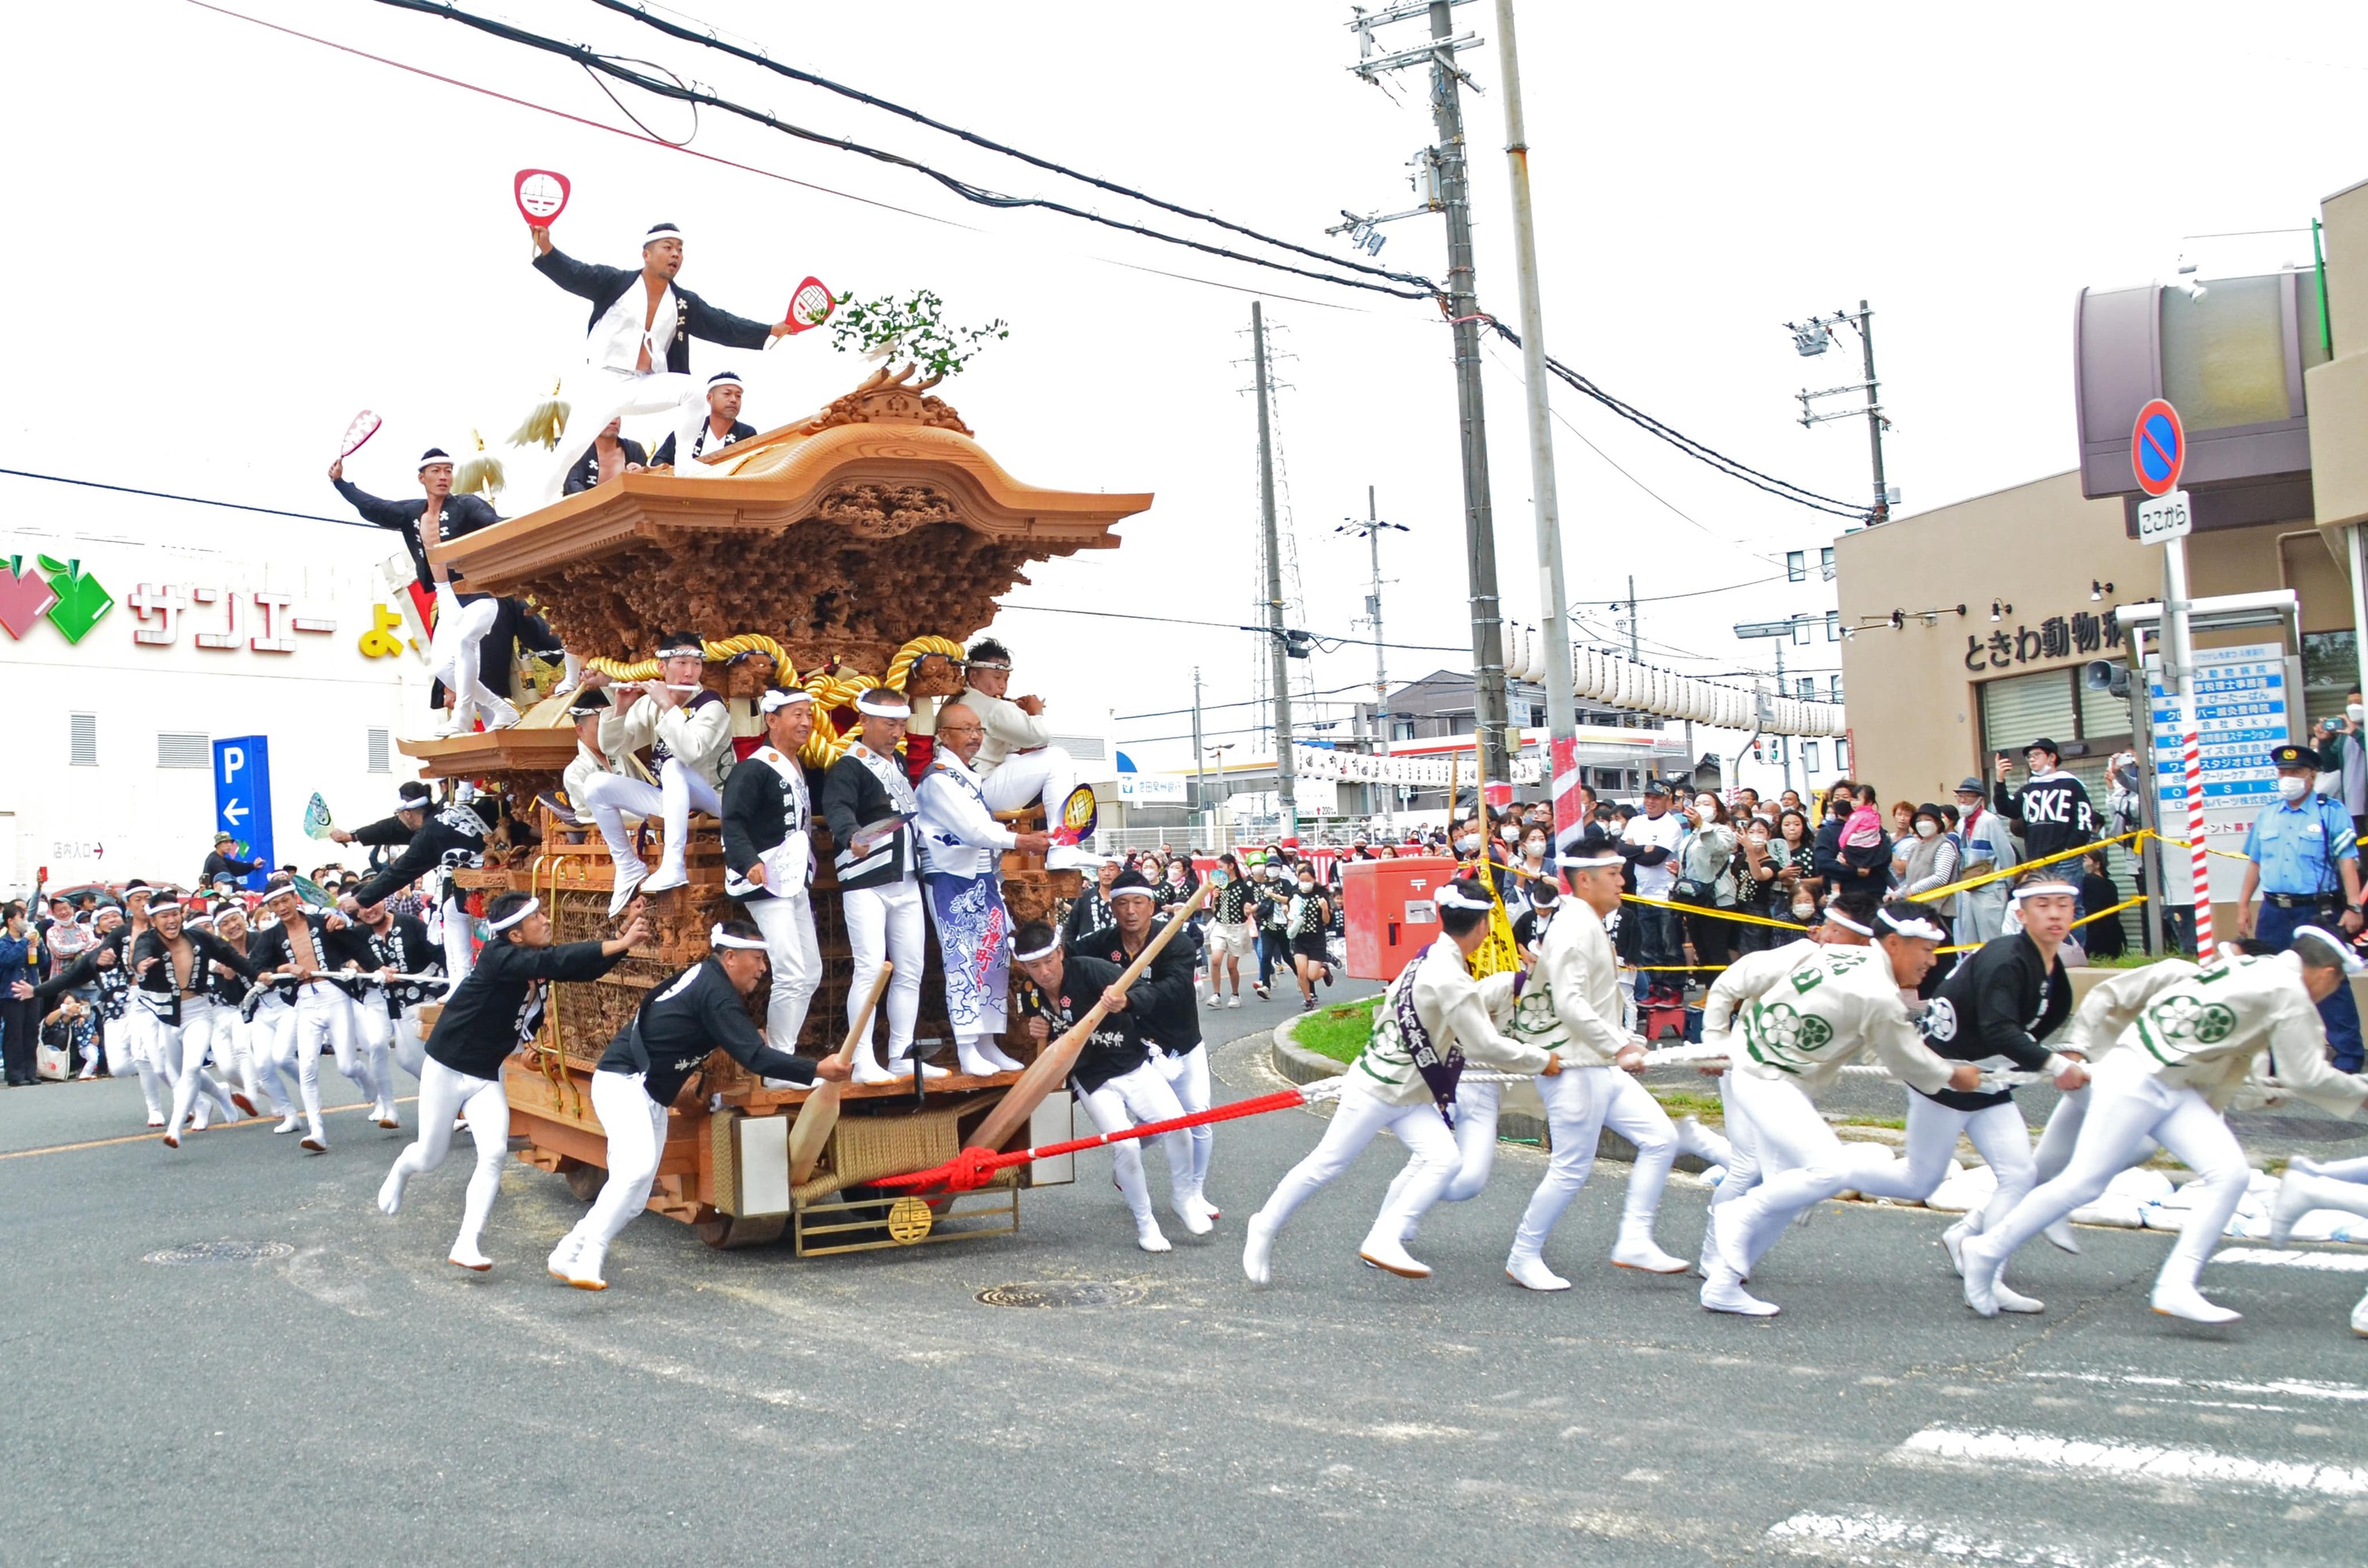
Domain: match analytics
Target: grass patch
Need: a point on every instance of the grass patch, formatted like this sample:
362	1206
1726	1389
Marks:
1338	1032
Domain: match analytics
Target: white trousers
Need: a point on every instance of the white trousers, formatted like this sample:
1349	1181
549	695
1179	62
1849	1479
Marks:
789	927
183	1048
1130	1100
443	1095
596	394
1801	1162
887	923
452	655
2130	1110
1999	1134
610	797
1357	1117
324	1019
1187	1076
390	1040
636	1127
1023	778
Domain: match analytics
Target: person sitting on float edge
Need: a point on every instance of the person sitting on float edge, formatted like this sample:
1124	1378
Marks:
1017	764
687	1017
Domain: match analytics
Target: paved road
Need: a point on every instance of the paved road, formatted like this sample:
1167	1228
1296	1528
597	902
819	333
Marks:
358	1398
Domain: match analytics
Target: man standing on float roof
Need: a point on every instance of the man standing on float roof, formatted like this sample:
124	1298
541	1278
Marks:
637	357
2306	868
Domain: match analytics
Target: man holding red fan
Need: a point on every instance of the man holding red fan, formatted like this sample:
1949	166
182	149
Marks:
638	342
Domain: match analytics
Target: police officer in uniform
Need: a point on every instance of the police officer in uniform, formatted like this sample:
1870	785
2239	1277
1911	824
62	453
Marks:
2305	867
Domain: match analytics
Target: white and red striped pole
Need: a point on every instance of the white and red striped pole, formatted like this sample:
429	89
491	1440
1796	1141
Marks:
2199	868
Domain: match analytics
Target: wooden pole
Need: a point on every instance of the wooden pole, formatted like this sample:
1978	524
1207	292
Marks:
819	1113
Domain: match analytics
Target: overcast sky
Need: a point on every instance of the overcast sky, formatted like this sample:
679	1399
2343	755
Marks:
228	240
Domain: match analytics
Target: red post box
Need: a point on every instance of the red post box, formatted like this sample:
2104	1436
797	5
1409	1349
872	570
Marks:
1391	911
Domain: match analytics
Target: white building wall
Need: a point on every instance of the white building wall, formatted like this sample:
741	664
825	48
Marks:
316	702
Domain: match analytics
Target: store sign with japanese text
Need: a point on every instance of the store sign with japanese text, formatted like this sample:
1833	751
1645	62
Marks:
2058	637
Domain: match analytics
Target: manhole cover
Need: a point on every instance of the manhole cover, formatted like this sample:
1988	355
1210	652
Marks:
1062	1293
221	1252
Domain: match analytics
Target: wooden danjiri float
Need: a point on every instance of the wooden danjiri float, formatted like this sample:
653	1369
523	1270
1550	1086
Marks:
851	549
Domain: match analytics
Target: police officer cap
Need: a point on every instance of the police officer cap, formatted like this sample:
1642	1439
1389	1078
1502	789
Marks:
2294	757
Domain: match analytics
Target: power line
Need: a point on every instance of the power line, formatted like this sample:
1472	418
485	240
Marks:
1732	468
192	500
592	59
759	57
734	162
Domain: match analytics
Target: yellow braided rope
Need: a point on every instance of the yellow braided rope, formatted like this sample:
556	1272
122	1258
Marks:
716	652
912	653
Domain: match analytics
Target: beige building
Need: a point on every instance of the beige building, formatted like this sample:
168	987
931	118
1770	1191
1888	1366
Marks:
1968	628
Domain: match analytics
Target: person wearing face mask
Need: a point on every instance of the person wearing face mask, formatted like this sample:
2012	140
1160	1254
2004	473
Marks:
1928	861
2301	852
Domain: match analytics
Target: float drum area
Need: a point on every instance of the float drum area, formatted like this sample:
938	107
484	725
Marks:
855	549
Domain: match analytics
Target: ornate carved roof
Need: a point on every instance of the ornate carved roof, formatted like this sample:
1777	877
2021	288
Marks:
874	521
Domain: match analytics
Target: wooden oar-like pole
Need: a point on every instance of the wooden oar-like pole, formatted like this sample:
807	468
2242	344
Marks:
819	1113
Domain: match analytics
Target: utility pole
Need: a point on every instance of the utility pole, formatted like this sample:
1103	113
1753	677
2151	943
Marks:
1562	713
1446	178
1286	795
1199	758
1813	338
1371	529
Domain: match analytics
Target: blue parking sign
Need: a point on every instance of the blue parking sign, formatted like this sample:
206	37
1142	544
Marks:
243	800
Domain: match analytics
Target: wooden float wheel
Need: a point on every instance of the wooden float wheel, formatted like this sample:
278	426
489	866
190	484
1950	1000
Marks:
726	1232
584	1181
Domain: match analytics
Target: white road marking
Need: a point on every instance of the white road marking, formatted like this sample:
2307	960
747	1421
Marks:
1879	1538
2285	1388
2047	1452
2324	1262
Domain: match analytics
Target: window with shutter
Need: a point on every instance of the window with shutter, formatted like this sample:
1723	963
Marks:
184	750
2021	709
82	740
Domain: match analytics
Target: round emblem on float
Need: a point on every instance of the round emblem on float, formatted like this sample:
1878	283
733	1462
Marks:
908	1221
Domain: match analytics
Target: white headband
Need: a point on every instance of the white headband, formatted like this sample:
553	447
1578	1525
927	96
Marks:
876	703
2044	890
1046	951
779	698
1847	924
1448	898
680	651
2344	949
717	937
514	916
1920	928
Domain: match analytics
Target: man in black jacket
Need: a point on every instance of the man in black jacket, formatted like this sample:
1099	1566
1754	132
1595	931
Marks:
687	1017
2051	812
497	1010
300	956
1994	1009
455	650
769	859
222	863
722	427
1166	1012
870	805
638	342
413	802
452	840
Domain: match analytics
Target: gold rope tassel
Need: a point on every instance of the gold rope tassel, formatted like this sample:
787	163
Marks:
544	425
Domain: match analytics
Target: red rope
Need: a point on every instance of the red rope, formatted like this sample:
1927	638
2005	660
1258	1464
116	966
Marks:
972	1167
